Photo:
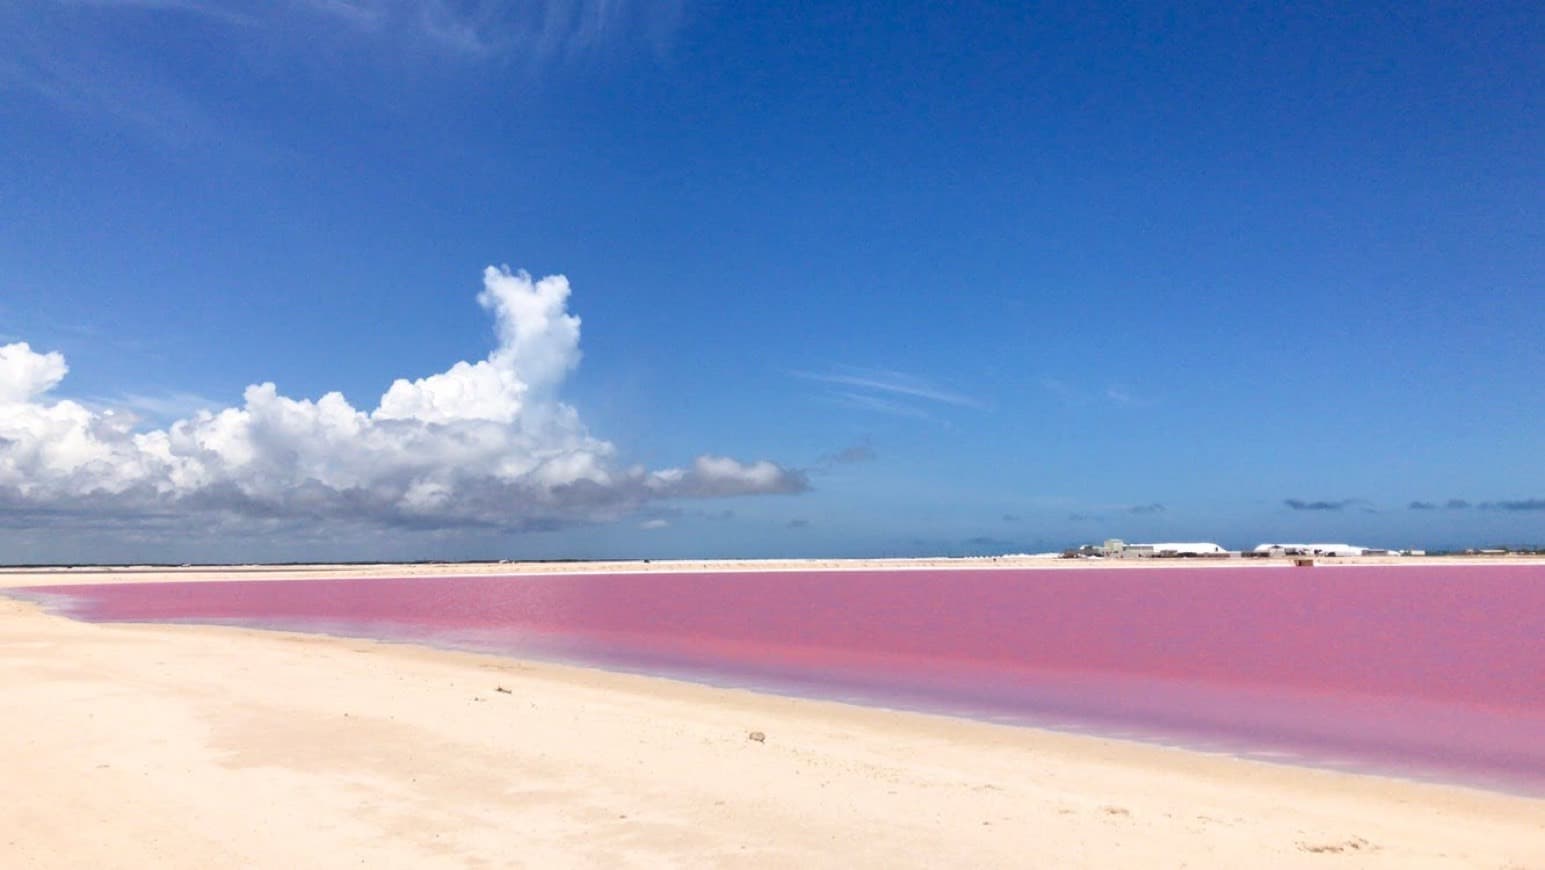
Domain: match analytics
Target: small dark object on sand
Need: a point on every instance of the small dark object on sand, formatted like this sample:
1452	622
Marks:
502	689
757	736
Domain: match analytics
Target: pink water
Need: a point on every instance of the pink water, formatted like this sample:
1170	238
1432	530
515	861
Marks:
1426	671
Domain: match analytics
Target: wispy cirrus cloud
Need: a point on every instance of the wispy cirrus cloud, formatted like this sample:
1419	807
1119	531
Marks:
890	381
1112	394
533	28
83	56
1119	395
878	404
1059	388
538	30
220	11
79	59
888	391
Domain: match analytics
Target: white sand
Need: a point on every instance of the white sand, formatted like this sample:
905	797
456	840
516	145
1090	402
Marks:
168	746
156	573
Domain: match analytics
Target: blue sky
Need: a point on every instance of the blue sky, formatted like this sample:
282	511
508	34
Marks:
917	278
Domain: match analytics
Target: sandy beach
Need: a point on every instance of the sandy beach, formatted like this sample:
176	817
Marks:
64	576
183	746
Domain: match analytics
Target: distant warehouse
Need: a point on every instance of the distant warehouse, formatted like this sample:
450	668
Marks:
1320	550
1119	549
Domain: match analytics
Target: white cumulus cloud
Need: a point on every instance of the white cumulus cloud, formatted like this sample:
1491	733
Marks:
485	443
24	373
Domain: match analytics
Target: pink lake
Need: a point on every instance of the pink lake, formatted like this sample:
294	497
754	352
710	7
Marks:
1434	671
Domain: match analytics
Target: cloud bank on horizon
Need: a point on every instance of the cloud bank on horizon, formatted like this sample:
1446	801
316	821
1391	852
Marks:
484	443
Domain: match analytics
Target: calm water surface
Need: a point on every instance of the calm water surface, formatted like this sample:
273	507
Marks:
1426	671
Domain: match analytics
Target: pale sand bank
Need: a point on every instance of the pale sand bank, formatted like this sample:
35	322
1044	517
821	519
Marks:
10	577
175	746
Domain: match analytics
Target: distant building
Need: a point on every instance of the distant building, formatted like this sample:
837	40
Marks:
1188	549
1319	550
1115	548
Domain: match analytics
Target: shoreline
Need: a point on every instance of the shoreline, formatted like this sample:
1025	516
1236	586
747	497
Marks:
1108	736
641	683
1268	715
397	754
19	576
185	745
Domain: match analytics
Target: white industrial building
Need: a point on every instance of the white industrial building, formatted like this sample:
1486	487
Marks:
1320	550
1116	548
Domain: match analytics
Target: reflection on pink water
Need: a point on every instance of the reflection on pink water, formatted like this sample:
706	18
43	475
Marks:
1424	670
